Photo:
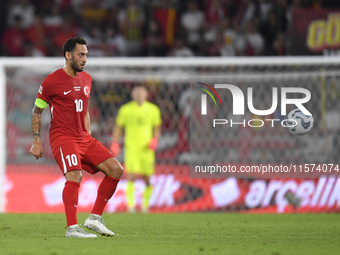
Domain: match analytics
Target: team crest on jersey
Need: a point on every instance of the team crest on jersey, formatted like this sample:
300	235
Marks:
40	90
87	91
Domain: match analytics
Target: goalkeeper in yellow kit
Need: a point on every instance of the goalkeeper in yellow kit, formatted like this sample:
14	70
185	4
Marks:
141	121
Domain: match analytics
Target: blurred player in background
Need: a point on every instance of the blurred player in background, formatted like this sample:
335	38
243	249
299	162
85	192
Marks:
67	91
141	121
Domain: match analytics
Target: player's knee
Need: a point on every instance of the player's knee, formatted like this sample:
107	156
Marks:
120	170
147	181
131	177
75	176
116	170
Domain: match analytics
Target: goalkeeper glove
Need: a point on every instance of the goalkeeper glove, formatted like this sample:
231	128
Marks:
153	144
115	148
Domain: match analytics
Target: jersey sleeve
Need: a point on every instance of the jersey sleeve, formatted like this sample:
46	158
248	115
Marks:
120	120
90	80
45	90
157	121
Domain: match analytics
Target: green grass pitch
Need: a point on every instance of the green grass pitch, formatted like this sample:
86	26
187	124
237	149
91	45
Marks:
187	233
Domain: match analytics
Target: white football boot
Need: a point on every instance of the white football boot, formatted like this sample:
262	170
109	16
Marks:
78	232
96	223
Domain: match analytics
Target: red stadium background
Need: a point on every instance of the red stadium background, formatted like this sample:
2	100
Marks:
40	189
240	28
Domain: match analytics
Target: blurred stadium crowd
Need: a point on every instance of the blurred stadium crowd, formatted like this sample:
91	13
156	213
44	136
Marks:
151	28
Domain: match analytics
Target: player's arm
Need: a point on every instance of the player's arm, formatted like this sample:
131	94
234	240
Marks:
36	120
117	130
88	122
157	132
116	135
153	144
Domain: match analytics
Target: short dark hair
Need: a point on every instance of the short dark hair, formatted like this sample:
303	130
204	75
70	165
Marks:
140	85
71	43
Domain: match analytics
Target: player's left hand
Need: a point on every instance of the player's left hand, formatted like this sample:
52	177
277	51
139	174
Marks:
37	150
153	144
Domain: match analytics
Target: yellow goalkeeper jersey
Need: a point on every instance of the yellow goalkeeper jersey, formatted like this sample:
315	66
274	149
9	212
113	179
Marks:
138	122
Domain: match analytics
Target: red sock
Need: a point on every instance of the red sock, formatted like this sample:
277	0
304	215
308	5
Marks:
106	190
70	199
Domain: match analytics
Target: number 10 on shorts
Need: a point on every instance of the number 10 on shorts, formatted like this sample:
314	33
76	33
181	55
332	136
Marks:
72	160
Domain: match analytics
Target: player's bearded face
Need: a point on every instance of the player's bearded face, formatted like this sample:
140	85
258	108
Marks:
75	65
